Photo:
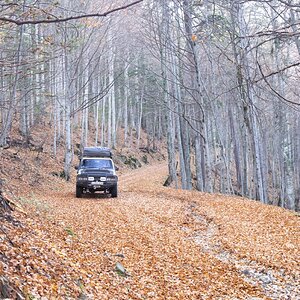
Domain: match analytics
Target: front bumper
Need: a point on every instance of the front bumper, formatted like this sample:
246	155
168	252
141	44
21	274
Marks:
99	183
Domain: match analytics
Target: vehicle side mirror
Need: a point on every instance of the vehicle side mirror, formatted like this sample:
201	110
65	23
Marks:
116	168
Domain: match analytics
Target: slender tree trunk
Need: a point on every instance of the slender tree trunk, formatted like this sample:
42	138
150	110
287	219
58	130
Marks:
7	122
165	58
126	101
68	121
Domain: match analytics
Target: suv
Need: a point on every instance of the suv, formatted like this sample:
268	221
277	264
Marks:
96	172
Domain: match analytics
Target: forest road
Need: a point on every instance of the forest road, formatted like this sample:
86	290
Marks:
179	244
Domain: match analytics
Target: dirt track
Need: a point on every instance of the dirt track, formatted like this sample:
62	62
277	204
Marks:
173	244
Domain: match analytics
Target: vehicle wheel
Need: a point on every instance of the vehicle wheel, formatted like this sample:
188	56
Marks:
78	192
114	191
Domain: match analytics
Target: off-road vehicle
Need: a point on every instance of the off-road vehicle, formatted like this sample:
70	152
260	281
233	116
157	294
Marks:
96	172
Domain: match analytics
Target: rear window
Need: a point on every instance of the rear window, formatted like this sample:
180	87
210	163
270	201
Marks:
97	163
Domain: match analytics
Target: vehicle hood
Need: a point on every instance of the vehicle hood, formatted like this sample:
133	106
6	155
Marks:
96	172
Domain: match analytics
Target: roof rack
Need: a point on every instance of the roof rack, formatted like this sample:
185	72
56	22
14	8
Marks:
96	152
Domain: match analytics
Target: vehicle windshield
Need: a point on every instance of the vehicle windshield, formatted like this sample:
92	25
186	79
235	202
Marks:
97	163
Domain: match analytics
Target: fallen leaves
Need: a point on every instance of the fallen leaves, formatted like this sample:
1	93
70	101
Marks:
71	248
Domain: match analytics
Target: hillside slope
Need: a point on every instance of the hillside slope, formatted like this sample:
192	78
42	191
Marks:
173	244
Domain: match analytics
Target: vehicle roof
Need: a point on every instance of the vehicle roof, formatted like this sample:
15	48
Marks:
104	158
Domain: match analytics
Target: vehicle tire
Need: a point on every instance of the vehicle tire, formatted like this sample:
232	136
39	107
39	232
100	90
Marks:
114	191
78	192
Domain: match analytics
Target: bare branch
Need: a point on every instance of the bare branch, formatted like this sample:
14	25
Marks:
275	72
59	20
274	91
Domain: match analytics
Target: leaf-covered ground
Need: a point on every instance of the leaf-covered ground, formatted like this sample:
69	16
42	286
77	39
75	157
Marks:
172	244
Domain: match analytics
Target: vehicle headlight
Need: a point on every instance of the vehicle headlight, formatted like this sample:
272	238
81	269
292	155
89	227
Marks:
82	178
91	178
111	178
